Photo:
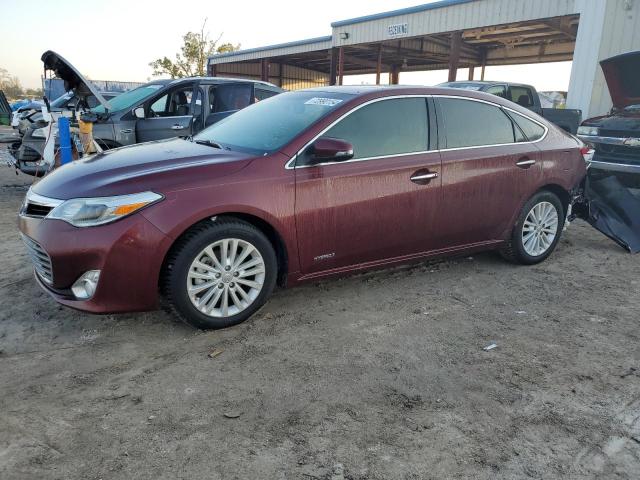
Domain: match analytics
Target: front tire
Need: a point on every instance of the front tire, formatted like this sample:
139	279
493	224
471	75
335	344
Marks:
537	230
219	274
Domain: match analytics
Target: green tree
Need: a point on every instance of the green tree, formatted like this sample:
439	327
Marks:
192	60
10	84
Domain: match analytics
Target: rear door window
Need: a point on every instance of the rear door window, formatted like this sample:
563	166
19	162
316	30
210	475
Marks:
533	131
225	98
386	127
468	123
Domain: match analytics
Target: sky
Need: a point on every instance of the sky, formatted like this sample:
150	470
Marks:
116	39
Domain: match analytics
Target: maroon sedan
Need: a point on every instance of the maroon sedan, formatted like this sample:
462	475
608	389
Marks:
301	186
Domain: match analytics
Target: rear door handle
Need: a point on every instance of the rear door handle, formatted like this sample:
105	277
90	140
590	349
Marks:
126	130
177	127
423	178
525	162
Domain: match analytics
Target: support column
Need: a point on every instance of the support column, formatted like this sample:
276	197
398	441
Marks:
454	55
212	70
471	69
394	75
264	70
340	65
379	65
280	74
333	65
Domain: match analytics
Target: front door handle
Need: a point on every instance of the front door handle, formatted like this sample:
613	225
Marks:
525	162
423	178
126	130
177	127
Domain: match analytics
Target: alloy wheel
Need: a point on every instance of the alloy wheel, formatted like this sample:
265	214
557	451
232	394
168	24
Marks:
540	229
226	277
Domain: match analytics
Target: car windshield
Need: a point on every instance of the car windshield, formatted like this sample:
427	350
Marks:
130	99
272	123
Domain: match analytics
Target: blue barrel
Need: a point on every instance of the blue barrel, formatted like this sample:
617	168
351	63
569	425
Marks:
64	136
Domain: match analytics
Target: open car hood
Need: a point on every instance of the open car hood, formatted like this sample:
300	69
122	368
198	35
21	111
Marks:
621	73
73	79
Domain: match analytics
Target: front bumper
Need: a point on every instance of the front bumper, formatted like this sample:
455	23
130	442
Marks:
614	166
128	252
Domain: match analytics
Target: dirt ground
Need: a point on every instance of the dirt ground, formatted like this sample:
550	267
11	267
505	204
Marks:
376	376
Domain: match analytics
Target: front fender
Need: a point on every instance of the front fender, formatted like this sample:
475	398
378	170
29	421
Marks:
268	199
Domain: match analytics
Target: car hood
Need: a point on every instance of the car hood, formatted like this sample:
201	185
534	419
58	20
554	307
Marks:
73	79
621	73
163	166
620	121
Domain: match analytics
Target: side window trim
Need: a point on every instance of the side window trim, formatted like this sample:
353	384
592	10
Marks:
505	109
437	141
291	164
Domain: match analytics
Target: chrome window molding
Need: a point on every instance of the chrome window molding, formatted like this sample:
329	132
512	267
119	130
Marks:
291	164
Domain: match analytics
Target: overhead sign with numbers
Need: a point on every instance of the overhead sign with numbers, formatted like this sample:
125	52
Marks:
398	30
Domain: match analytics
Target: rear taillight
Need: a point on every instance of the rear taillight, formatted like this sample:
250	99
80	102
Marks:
587	153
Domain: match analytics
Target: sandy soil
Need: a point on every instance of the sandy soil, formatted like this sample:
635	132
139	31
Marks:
377	376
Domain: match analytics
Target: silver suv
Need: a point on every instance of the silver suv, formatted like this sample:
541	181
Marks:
154	111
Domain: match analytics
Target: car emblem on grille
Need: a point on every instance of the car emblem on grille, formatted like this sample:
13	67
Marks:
632	142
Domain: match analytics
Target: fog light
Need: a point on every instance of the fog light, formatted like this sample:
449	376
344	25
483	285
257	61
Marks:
86	285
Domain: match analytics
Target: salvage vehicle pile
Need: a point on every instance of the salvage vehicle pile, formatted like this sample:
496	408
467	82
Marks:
157	110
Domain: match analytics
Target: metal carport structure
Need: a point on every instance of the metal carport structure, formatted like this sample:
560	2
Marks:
453	34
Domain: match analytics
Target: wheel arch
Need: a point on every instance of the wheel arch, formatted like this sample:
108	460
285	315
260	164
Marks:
560	192
272	234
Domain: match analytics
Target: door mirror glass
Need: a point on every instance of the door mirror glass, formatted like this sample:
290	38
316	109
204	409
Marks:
139	112
327	149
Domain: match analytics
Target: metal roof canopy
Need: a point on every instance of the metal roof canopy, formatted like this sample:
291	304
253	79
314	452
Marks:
535	40
452	34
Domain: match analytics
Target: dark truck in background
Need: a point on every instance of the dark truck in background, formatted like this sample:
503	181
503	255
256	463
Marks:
525	96
613	183
615	137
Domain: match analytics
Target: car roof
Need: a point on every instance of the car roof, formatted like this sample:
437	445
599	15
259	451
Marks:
173	81
379	91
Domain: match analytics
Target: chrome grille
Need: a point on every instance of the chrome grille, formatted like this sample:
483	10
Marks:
38	206
40	258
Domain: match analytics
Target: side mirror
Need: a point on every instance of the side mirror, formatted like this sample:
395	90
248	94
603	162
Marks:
327	149
139	112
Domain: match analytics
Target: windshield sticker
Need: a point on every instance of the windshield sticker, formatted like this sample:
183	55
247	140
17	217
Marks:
327	102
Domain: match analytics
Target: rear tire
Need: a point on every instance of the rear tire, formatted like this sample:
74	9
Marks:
219	274
537	230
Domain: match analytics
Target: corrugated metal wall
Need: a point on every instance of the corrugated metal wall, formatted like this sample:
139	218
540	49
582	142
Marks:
455	17
293	78
607	28
276	50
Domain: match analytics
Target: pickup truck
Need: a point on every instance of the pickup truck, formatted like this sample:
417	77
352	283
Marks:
526	96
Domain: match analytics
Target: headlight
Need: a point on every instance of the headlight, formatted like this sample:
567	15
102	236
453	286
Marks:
589	131
88	212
